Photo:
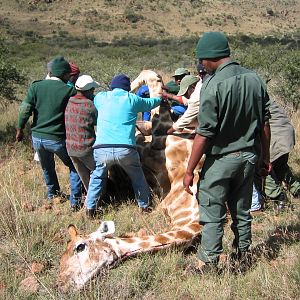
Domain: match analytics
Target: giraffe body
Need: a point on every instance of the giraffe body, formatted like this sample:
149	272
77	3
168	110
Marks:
164	159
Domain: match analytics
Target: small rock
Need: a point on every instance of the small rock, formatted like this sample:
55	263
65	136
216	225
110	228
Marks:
20	271
2	288
28	207
37	267
29	285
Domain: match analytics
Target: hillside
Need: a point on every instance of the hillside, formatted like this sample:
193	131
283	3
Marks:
107	20
105	38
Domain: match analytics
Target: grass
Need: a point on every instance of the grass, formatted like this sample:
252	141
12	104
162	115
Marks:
31	234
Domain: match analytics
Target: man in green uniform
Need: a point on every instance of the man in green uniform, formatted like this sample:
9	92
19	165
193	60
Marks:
46	100
233	114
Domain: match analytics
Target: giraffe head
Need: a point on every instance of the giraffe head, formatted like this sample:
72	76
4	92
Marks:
151	79
85	257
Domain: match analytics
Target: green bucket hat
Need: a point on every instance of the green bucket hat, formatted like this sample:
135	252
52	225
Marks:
181	71
60	66
186	82
212	45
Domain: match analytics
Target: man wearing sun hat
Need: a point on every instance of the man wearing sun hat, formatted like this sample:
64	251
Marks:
80	119
233	116
190	87
173	86
46	100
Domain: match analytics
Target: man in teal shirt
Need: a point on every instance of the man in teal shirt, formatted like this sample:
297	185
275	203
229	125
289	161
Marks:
115	140
233	114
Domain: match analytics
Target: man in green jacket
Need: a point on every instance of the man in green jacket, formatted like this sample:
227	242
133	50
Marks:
47	100
233	114
173	86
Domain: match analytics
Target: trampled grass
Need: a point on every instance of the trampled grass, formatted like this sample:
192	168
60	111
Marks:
31	234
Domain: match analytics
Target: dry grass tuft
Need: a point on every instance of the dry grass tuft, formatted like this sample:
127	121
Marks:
32	240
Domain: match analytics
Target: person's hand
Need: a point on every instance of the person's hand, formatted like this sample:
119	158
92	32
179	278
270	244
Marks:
171	130
19	135
165	95
188	182
164	87
265	169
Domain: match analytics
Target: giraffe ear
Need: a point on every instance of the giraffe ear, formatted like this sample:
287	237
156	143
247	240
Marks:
107	228
72	231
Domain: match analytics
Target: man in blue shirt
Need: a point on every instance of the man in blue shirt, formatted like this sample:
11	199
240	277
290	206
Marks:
143	92
115	140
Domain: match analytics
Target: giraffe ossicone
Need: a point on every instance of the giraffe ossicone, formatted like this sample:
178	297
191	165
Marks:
164	160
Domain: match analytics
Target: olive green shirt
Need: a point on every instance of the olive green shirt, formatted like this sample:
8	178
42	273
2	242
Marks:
234	106
173	88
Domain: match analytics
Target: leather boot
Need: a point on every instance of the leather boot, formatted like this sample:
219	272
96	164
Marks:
91	213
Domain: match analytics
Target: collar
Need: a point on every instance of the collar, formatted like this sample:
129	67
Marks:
224	65
55	78
79	97
119	90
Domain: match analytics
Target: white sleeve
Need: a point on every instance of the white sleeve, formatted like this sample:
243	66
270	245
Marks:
191	113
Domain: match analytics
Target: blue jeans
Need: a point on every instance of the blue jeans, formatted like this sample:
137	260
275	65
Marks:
46	149
256	199
128	158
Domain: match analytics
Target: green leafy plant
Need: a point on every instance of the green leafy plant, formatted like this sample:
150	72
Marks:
9	75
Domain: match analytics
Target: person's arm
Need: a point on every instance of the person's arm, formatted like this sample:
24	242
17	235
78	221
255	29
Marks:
265	137
25	112
199	147
145	104
179	99
189	115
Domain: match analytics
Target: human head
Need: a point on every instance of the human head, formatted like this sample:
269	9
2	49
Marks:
86	85
201	70
120	81
60	68
49	66
212	49
74	72
187	85
179	74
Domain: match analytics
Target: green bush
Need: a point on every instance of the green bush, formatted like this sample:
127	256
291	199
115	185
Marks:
131	16
9	75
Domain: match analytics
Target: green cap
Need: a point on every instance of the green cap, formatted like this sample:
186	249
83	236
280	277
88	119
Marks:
181	71
60	66
186	82
212	45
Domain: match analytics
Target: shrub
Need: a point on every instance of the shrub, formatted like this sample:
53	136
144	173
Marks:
9	75
132	16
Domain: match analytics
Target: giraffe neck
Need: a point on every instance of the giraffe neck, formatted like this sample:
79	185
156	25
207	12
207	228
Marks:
182	210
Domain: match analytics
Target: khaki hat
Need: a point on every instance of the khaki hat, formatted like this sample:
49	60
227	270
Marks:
181	71
85	83
186	82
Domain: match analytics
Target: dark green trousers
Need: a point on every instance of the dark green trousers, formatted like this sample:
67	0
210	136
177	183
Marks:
225	178
281	173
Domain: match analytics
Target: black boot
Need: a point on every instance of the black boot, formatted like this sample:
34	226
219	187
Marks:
281	203
91	213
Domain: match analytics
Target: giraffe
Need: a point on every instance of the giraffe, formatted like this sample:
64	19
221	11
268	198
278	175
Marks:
164	159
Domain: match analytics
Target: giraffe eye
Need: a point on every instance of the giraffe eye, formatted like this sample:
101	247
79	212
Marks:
79	248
